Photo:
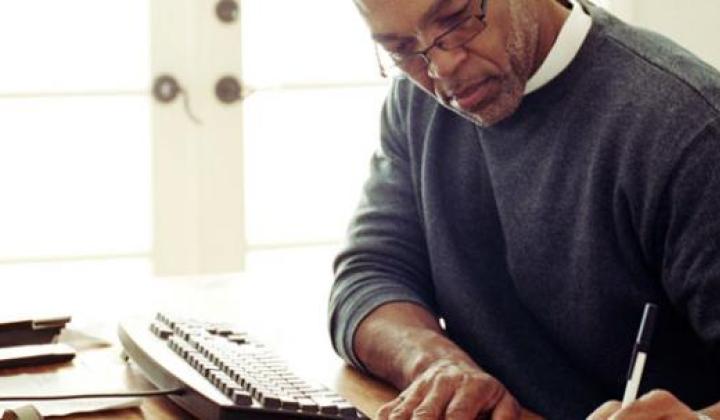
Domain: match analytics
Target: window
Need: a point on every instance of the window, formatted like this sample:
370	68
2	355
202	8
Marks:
77	122
74	129
312	123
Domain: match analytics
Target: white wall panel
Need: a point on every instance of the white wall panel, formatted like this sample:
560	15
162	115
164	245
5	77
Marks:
693	24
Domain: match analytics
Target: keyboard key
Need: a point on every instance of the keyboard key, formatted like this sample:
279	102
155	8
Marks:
289	404
307	405
238	338
241	397
327	406
270	401
347	410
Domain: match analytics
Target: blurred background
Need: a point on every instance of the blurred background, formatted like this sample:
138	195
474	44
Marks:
103	181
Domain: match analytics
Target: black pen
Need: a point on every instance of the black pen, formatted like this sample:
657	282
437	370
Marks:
639	355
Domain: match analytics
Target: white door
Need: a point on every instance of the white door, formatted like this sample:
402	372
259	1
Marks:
197	137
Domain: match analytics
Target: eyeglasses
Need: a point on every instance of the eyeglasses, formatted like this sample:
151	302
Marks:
456	36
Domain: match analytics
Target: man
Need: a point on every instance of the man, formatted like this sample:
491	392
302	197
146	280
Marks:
544	171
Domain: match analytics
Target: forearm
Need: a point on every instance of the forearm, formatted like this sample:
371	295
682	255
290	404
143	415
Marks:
399	340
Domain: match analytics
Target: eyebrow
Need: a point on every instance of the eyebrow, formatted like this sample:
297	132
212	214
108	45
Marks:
424	21
432	12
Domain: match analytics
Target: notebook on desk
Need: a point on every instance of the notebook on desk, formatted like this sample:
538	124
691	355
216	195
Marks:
27	341
30	330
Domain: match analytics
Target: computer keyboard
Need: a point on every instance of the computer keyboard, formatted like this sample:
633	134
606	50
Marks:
226	373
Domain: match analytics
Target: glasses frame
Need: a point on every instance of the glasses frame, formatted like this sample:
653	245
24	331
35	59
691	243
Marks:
437	42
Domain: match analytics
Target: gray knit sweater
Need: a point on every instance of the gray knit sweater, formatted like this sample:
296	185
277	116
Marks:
540	239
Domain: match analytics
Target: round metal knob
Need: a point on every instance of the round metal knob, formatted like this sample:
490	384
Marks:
165	88
228	89
227	11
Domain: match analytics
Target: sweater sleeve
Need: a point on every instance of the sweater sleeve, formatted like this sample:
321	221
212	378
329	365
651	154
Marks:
385	258
690	235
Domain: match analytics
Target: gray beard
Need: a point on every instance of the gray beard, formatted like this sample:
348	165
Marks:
521	48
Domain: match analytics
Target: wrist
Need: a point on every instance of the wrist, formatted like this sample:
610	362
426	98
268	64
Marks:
398	341
428	348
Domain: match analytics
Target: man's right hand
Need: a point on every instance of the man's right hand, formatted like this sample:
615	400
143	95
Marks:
453	391
402	343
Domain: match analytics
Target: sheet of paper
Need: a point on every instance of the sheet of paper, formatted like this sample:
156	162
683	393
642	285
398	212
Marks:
61	383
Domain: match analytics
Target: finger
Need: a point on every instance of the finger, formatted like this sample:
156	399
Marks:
407	402
507	408
655	404
473	398
605	411
490	391
660	398
434	404
383	412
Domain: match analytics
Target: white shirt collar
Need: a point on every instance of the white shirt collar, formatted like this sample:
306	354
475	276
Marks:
568	43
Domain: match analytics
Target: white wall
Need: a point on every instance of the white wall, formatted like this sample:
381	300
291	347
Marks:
694	24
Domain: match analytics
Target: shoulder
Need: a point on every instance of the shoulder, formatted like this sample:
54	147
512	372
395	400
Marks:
652	98
657	73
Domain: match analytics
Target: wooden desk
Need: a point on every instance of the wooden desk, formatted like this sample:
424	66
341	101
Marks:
284	306
266	305
102	370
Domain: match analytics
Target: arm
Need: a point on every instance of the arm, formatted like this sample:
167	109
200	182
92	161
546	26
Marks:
688	241
382	317
404	344
398	341
385	259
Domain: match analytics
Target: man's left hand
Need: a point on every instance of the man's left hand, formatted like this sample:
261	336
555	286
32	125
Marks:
657	404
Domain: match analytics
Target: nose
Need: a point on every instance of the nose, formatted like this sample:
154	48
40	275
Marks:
442	64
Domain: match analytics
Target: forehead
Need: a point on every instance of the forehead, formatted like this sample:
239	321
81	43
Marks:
384	16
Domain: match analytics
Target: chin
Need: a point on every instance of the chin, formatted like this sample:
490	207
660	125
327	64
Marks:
498	108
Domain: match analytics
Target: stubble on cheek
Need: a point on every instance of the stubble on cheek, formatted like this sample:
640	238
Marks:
521	48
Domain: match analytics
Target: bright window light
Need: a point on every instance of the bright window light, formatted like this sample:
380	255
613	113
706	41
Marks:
307	156
290	41
74	176
74	45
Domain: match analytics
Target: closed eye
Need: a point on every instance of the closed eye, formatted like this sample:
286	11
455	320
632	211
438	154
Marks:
451	19
403	48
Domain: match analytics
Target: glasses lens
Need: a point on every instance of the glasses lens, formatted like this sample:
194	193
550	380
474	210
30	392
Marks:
462	34
394	65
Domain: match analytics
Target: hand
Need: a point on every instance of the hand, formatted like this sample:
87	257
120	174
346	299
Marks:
452	390
657	404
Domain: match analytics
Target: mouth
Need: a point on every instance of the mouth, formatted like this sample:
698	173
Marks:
473	95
